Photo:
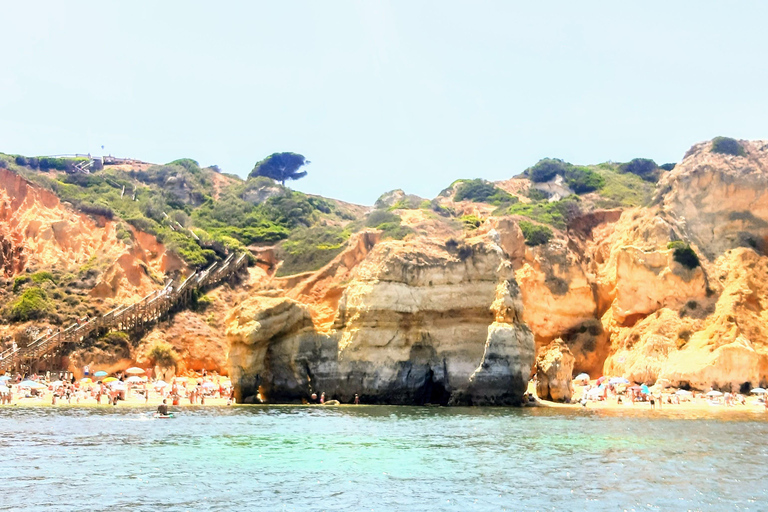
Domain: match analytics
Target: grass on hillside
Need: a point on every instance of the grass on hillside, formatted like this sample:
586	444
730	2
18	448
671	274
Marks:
622	189
310	249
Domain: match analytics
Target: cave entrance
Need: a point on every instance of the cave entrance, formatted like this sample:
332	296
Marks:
433	391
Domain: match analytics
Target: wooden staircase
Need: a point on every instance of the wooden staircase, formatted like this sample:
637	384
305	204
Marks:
130	318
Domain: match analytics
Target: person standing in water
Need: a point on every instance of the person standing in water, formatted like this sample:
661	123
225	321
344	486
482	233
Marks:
162	409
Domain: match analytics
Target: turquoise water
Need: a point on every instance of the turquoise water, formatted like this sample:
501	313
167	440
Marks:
381	458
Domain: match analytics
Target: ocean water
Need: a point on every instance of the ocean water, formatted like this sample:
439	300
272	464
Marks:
381	459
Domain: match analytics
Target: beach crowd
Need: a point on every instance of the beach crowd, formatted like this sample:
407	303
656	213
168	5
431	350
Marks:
130	386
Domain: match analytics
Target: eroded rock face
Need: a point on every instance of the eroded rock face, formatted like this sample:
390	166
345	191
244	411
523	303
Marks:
721	199
416	324
554	372
37	231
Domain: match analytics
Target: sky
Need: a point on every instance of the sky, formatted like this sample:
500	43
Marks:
381	95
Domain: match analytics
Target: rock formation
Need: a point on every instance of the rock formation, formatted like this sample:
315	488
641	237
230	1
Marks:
455	312
554	372
415	324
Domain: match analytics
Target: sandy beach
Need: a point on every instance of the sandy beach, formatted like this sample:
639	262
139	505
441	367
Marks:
697	404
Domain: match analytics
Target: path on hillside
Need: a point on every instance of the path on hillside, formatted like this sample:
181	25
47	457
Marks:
130	318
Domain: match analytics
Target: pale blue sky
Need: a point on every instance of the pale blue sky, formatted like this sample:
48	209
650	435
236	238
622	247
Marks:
381	95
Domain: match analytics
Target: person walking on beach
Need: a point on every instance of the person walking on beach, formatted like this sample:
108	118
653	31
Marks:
322	398
357	399
653	402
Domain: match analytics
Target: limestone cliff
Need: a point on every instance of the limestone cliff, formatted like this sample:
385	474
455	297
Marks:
416	323
455	311
609	286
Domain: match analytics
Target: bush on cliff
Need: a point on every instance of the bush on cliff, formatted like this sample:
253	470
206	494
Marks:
535	234
546	169
163	355
684	254
471	221
727	146
556	213
310	249
33	304
583	180
645	168
481	191
580	179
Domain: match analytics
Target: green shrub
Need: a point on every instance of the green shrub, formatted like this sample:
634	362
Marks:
556	213
667	167
96	209
645	168
727	146
163	355
535	234
684	254
41	277
409	202
471	221
535	194
310	249
481	191
18	281
394	230
546	169
582	179
378	217
189	250
33	304
443	211
200	301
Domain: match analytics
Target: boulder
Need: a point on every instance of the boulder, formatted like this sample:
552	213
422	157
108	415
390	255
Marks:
554	371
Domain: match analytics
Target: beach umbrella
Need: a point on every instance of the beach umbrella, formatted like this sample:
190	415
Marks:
209	385
160	384
30	384
758	391
600	380
714	393
100	373
109	379
85	381
116	384
618	380
683	392
5	377
644	389
134	379
582	376
135	370
56	383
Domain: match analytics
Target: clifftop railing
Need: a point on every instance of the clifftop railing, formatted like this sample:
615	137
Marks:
127	318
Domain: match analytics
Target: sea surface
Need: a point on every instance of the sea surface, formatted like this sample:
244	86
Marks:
381	459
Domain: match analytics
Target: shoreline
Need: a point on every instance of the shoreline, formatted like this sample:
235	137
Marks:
702	408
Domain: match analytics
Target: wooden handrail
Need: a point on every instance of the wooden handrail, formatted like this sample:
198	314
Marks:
126	318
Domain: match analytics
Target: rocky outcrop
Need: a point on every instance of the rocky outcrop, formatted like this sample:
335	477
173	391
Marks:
415	324
554	372
37	231
721	200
